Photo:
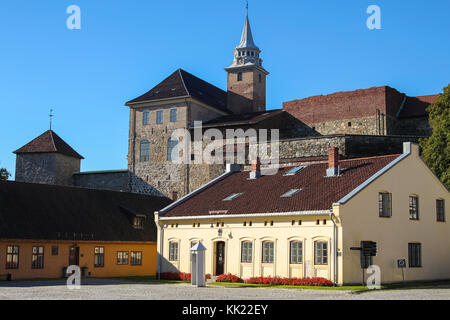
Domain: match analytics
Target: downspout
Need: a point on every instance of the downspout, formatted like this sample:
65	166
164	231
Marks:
161	247
333	239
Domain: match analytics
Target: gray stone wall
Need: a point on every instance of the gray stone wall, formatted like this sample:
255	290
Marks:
46	168
112	180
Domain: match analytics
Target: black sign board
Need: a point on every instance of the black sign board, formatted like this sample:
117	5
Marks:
369	248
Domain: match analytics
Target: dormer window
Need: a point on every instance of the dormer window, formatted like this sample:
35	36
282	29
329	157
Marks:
233	196
138	222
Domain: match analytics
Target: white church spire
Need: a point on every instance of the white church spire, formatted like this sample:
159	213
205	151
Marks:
246	53
247	37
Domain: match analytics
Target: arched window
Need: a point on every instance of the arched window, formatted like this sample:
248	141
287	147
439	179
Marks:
173	251
172	149
145	151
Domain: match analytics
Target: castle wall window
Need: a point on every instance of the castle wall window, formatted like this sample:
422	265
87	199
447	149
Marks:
173	115
99	257
440	210
239	76
145	151
145	118
122	257
159	117
267	252
259	78
173	251
296	252
246	252
37	258
413	208
172	149
320	252
385	204
12	257
136	258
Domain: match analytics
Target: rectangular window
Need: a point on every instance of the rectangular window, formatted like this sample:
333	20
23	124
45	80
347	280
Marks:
173	251
122	257
296	252
246	252
440	210
267	254
385	204
55	250
239	76
99	257
37	258
138	222
145	118
159	116
413	208
415	255
173	115
136	258
12	257
321	252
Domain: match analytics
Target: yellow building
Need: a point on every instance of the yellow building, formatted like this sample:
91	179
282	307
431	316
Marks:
303	221
46	228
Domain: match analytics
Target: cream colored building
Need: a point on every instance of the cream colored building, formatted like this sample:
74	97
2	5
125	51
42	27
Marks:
303	221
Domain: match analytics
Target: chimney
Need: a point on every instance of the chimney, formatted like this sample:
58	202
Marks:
255	173
333	162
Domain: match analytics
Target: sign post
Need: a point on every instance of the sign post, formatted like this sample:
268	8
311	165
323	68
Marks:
401	263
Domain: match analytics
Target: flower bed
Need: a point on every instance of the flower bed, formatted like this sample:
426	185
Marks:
181	276
229	278
277	281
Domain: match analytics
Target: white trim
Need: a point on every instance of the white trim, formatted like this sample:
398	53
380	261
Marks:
362	186
251	215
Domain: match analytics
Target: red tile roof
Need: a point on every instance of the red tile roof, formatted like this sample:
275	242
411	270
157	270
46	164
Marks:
416	106
262	195
49	142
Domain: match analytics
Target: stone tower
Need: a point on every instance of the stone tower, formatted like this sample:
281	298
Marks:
246	76
48	159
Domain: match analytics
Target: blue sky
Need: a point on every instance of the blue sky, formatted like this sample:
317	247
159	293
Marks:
124	48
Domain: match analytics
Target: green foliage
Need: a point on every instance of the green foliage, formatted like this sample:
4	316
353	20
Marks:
4	174
436	149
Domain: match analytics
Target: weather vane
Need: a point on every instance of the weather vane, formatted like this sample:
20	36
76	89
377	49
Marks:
51	116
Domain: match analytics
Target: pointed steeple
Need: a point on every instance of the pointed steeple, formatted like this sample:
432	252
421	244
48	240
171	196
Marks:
247	37
247	53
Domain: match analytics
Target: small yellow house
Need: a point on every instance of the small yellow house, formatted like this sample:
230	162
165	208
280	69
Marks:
46	228
303	221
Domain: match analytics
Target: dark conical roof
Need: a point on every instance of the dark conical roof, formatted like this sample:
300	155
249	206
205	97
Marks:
49	142
181	84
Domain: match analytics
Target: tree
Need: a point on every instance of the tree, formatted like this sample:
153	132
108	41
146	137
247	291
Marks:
4	174
436	149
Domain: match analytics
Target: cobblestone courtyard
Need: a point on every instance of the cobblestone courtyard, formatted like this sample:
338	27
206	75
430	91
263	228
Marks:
94	289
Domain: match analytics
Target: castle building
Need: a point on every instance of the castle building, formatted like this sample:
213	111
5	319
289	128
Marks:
366	122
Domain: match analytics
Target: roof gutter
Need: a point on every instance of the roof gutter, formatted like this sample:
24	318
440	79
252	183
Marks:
247	215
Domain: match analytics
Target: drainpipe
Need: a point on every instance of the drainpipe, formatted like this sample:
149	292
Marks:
333	241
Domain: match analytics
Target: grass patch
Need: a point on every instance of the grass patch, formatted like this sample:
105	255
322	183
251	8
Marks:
253	285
